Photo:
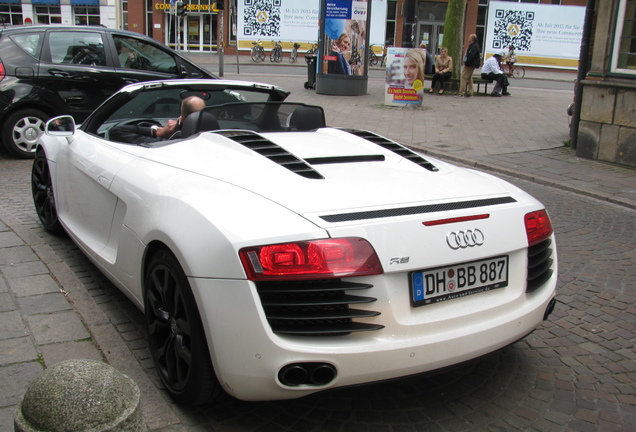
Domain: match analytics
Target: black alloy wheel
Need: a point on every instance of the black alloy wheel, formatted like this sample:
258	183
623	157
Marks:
176	337
43	196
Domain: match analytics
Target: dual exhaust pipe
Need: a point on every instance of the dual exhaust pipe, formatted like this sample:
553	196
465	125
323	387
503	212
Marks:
312	374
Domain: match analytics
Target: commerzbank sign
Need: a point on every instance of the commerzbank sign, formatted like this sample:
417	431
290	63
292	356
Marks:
189	7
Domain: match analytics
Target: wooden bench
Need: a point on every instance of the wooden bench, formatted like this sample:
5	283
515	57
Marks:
453	83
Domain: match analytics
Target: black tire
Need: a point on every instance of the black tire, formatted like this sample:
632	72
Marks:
176	337
21	130
373	59
256	56
43	196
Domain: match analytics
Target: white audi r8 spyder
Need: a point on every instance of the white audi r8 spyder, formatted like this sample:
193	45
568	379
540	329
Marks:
275	257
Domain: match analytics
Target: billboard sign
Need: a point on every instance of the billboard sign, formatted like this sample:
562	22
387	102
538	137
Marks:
542	35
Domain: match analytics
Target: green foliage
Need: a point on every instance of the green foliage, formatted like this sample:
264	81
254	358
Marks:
454	33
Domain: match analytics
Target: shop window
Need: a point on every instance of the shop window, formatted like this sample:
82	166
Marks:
124	15
624	56
149	22
48	15
86	15
390	23
10	15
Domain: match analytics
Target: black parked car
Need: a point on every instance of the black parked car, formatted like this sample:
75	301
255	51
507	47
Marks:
47	71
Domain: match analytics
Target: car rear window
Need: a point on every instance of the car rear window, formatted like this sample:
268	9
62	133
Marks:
28	42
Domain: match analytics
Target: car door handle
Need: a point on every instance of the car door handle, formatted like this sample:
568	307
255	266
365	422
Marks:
59	73
130	80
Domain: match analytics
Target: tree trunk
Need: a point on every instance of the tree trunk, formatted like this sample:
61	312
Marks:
454	33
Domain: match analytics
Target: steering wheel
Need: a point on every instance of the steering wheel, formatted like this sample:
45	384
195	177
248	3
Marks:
137	61
225	115
89	56
136	121
140	122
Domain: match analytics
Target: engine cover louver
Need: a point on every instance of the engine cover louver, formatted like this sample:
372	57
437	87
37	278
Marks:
273	152
394	147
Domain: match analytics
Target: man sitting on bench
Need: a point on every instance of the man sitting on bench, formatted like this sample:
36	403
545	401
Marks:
491	71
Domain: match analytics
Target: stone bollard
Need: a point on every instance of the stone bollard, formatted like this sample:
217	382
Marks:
80	395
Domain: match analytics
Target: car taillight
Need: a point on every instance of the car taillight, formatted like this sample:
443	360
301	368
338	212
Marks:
2	72
317	259
538	226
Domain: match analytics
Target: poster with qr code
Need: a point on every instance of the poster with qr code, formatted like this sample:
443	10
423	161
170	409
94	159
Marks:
276	20
540	34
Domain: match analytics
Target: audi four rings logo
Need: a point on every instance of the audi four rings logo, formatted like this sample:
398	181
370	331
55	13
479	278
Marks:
464	239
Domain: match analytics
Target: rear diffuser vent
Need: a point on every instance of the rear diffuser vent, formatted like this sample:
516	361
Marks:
539	265
317	308
394	147
273	152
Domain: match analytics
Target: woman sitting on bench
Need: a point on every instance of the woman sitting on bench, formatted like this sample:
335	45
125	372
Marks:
443	70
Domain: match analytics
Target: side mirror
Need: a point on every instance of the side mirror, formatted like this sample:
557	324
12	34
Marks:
62	126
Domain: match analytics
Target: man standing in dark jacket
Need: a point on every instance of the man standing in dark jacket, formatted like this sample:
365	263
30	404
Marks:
472	60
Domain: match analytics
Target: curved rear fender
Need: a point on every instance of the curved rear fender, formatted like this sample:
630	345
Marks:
205	222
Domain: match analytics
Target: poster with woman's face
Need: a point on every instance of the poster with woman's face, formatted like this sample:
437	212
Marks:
345	37
404	76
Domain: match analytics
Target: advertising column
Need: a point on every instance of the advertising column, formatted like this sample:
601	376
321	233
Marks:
343	45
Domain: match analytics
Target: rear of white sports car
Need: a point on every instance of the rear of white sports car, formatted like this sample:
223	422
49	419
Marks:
307	257
410	265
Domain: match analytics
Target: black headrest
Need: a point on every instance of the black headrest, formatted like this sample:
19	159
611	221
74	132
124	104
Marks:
200	121
307	118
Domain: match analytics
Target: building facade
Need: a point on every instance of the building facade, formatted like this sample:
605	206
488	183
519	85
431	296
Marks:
67	12
408	22
604	126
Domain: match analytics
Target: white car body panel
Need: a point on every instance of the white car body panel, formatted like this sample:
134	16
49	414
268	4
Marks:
207	197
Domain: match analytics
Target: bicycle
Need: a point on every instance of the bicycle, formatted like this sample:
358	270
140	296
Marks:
277	53
258	52
313	51
373	57
294	54
515	71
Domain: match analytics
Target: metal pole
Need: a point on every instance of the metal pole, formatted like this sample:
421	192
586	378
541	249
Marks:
221	44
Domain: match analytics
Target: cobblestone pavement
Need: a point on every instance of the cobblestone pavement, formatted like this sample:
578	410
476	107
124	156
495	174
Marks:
575	373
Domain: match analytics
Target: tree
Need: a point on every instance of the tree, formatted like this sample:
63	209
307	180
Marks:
454	33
